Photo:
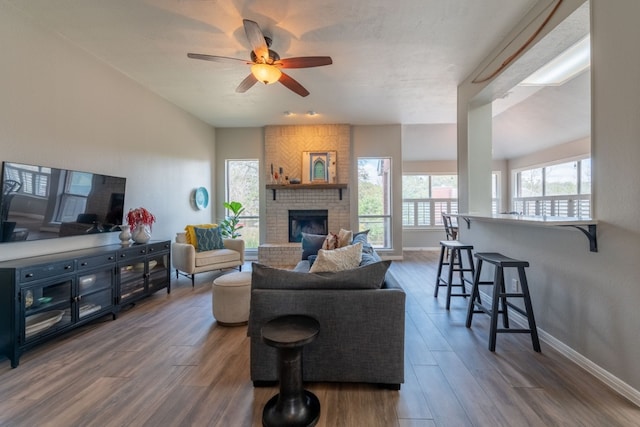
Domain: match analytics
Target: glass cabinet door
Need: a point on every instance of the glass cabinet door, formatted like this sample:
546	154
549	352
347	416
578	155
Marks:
132	279
95	291
159	271
46	307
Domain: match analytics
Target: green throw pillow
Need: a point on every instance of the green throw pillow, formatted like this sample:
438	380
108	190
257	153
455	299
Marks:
208	239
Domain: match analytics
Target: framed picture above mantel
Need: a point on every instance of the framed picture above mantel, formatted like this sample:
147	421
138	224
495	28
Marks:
319	167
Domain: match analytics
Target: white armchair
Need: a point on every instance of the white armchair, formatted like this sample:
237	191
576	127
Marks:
187	261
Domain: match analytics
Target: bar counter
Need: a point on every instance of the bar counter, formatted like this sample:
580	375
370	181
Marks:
588	226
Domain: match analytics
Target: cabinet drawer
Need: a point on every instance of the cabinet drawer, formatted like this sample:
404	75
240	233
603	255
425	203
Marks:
132	252
96	261
37	272
157	247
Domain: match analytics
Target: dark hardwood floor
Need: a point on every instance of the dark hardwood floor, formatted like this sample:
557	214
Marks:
166	362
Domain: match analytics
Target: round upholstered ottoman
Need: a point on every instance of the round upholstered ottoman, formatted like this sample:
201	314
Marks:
231	297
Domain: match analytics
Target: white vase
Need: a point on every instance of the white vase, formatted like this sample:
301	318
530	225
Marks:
124	235
141	234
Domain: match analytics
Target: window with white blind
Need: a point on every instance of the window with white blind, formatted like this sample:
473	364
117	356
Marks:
426	197
562	189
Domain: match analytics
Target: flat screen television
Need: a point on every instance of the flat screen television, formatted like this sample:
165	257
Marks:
42	202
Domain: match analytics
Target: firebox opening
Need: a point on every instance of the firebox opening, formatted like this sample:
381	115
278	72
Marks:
310	221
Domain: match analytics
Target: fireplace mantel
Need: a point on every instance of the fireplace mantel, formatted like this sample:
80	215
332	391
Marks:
324	186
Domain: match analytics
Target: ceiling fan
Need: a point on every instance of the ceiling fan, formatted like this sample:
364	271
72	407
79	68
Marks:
265	63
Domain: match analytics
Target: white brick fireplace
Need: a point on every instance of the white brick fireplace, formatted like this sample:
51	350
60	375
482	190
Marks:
284	146
299	199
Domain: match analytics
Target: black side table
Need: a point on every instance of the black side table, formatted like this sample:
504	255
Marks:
293	406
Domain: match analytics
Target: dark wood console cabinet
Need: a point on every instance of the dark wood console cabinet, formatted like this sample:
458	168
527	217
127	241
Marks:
45	296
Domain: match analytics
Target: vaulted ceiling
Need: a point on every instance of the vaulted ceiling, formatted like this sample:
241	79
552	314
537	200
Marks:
393	62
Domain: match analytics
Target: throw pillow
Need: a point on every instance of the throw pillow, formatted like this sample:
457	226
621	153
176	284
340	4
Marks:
362	238
344	237
365	232
311	243
371	276
208	239
330	242
191	233
312	259
346	258
369	257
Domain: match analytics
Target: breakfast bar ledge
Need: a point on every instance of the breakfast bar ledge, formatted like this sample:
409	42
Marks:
588	226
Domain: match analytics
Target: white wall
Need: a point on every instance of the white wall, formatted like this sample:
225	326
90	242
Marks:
380	141
587	302
61	107
239	143
556	154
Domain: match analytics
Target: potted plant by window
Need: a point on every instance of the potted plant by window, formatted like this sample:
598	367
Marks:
230	225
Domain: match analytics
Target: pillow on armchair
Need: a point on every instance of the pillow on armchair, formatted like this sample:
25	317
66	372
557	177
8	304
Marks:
191	233
208	239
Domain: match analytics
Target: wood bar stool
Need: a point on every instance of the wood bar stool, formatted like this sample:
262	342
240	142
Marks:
454	248
499	302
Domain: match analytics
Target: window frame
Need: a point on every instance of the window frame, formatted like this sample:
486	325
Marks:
577	204
365	221
435	208
255	219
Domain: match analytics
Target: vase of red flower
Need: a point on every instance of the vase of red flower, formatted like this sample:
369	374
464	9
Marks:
140	222
141	234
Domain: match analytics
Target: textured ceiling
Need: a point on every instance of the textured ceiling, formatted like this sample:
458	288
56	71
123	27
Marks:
393	62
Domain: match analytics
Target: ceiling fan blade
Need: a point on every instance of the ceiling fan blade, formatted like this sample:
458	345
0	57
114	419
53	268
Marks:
256	39
304	62
246	84
293	85
215	58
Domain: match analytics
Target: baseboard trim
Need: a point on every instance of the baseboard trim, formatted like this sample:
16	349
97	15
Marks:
613	382
603	375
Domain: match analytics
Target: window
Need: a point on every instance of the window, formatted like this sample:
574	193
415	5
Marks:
495	192
242	186
426	197
562	189
374	199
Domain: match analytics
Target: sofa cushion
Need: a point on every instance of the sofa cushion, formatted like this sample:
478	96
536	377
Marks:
370	276
339	259
208	239
216	256
311	243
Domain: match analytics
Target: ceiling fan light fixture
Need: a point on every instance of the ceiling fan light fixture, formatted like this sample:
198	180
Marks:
266	73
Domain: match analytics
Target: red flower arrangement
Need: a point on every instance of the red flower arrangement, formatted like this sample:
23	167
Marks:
139	216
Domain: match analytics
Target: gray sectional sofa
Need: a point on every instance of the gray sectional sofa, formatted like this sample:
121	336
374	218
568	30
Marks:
362	322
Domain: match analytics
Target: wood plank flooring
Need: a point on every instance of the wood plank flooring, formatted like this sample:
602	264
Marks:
166	362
